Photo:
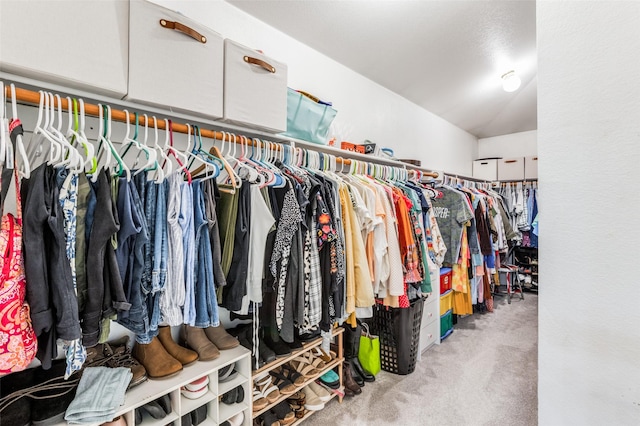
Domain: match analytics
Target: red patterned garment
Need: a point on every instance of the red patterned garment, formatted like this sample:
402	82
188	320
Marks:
18	342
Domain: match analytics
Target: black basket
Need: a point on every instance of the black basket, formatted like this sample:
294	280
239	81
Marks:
399	332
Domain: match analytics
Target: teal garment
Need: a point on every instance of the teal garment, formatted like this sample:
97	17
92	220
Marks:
420	237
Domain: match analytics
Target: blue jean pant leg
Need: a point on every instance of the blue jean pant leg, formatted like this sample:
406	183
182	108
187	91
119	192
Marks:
185	220
137	319
159	259
149	205
206	302
153	307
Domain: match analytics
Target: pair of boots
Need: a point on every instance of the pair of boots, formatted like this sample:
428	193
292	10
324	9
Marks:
163	357
354	374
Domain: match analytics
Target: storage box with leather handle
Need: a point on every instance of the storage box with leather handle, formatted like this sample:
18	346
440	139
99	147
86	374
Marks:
255	88
174	61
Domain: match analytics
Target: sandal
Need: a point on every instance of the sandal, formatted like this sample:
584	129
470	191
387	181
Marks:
304	367
298	398
269	419
315	360
325	357
284	413
298	410
259	401
282	382
270	392
293	376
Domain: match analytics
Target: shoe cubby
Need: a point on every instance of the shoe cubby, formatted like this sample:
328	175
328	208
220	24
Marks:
217	411
307	347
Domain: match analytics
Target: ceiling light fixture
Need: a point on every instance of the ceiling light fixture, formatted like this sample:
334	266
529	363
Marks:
510	81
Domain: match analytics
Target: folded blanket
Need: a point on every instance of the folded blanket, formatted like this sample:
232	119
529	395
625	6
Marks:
100	393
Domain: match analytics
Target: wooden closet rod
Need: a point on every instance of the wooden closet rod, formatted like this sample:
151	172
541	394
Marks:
32	97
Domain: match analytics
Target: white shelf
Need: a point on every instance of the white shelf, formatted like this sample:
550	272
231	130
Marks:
187	405
228	411
227	386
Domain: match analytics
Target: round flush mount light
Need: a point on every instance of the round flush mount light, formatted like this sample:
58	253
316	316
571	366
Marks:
510	81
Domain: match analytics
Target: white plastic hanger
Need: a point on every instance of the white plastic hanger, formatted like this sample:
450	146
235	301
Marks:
3	127
24	168
41	135
72	157
75	133
156	146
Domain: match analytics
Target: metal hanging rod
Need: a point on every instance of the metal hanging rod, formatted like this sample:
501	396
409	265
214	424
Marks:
32	97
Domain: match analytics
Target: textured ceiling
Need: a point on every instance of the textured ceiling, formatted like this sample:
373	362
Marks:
446	56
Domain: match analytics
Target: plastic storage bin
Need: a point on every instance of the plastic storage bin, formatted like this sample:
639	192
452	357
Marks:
446	324
399	331
174	61
445	279
307	119
446	302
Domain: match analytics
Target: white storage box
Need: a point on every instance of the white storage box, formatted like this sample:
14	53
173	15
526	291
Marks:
78	44
255	88
174	62
531	167
485	169
511	169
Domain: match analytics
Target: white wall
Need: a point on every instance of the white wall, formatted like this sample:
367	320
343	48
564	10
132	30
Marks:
589	137
366	110
523	144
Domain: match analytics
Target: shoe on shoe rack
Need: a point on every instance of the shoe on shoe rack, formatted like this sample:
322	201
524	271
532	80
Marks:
313	401
196	339
116	354
321	391
195	389
284	413
234	396
330	379
155	359
280	348
268	418
237	419
198	415
154	409
197	384
227	373
182	354
219	337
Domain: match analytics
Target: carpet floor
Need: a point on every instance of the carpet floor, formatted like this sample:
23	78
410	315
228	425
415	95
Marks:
485	373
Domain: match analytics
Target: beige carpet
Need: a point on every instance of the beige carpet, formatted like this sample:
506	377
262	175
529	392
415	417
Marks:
485	373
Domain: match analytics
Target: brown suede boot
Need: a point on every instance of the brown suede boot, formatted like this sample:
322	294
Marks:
156	360
195	338
184	355
219	336
349	383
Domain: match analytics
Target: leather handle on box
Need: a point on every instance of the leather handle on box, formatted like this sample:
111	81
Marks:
260	63
175	25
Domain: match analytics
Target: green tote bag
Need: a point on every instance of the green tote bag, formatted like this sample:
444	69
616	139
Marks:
369	352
